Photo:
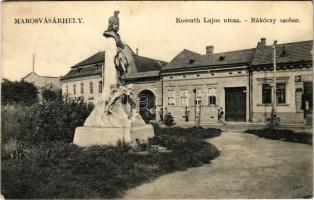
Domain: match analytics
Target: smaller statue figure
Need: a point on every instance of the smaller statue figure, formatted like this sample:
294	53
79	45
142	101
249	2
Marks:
122	58
113	20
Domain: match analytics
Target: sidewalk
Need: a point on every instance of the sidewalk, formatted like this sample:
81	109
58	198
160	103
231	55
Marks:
242	126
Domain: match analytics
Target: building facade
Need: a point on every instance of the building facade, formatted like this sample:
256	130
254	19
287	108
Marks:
84	80
43	83
293	82
197	85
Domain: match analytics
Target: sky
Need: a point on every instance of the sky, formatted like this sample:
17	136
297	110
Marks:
149	26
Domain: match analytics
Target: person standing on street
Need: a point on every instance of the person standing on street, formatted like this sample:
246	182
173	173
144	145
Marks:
220	116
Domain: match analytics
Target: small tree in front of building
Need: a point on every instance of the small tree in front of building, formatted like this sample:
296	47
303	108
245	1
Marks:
18	92
51	95
169	120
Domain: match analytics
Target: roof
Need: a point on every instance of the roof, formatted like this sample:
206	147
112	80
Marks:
285	53
56	77
144	74
146	67
96	58
92	66
189	59
94	69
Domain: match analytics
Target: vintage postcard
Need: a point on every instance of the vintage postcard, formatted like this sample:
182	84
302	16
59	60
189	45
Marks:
156	99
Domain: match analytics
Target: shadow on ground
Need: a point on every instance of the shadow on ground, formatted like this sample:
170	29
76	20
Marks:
283	134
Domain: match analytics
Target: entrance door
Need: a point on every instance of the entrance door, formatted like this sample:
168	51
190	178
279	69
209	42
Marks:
307	102
235	104
147	105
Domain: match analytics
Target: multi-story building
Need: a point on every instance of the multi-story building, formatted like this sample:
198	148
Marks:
241	82
84	80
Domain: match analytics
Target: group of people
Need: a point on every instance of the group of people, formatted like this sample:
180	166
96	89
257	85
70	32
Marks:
186	116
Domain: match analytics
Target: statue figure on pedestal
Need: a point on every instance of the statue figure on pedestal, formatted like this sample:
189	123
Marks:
117	105
116	114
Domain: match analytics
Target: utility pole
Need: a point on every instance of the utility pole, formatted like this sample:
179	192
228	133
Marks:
194	91
275	78
273	119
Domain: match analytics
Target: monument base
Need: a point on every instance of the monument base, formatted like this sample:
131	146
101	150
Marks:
88	136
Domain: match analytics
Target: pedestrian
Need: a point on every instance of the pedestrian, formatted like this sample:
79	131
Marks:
160	115
220	116
152	112
186	114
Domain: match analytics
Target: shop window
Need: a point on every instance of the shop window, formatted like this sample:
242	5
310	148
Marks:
281	93
266	94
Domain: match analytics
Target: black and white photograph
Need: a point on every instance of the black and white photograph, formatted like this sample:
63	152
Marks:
156	99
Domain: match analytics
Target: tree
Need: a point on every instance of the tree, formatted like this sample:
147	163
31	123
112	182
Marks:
169	120
51	95
18	92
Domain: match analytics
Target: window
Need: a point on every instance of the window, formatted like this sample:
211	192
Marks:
74	89
82	88
281	93
100	87
91	89
171	97
198	96
211	97
211	100
67	89
184	97
266	93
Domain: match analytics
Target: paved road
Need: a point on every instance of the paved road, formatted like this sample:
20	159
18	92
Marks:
248	167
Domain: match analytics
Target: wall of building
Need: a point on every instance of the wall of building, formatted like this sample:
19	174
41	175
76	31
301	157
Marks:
289	112
41	81
87	96
211	83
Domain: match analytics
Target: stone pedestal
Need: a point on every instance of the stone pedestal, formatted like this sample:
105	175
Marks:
88	136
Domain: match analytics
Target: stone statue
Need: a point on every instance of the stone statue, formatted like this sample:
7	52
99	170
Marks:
122	58
116	114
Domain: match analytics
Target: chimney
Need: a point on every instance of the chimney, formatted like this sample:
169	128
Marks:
136	51
209	50
263	42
